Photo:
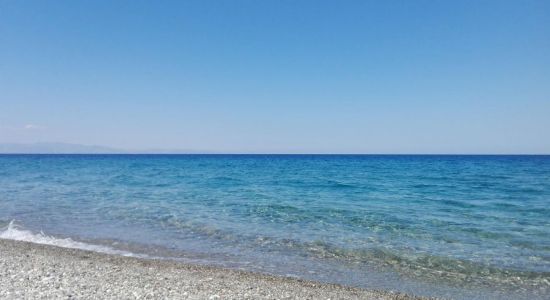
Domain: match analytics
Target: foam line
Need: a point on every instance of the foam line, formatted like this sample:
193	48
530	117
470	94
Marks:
15	232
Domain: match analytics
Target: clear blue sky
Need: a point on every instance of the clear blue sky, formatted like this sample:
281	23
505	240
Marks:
278	76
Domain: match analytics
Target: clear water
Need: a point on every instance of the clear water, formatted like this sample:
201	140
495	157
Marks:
462	227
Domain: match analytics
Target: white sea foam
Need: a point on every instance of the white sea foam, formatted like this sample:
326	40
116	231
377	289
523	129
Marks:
15	232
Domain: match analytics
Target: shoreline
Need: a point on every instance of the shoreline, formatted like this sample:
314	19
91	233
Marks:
29	270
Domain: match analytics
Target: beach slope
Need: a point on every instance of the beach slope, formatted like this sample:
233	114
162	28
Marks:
34	271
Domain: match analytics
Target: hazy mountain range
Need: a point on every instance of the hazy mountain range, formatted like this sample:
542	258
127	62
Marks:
67	148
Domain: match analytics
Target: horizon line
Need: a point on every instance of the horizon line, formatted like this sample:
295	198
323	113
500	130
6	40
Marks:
282	154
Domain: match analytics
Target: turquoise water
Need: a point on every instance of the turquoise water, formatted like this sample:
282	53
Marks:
451	226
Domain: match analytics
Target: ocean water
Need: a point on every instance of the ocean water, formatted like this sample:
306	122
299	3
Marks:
462	227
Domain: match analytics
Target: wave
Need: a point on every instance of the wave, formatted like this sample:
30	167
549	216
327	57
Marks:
15	232
454	271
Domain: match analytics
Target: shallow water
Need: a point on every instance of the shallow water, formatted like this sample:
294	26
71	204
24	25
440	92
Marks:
452	226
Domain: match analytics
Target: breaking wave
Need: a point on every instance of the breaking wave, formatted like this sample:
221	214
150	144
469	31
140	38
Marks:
15	232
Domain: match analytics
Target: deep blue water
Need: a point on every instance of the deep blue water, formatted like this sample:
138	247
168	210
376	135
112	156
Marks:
453	226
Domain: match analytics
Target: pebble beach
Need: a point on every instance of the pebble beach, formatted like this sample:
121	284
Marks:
35	271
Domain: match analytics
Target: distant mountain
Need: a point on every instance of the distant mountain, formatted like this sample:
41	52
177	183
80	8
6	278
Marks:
66	148
56	148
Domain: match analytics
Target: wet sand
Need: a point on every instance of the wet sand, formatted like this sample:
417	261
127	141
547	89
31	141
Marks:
34	271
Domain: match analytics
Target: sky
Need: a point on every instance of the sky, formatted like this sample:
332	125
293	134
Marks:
278	76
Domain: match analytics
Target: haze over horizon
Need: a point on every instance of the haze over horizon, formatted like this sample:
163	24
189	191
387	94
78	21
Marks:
69	148
278	77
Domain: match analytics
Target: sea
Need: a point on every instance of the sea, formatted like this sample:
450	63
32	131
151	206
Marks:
449	226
